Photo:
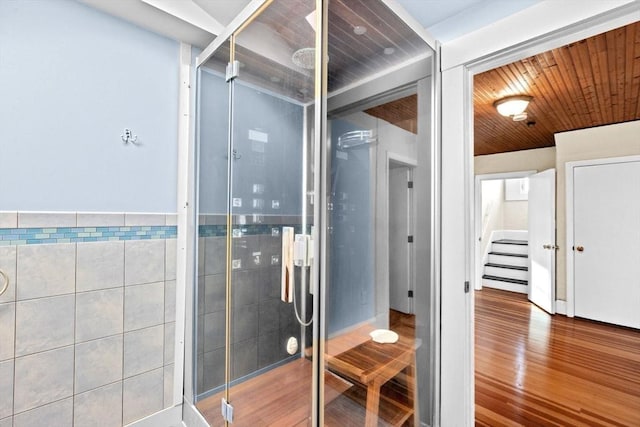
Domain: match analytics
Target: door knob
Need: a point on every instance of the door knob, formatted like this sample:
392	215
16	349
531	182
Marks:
580	248
546	246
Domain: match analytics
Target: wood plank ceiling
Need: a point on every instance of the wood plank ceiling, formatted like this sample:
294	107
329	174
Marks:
383	42
589	83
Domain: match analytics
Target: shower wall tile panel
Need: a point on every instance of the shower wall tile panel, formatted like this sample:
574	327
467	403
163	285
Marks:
143	350
214	255
76	281
100	265
261	323
244	358
170	301
144	261
7	330
92	219
98	362
100	407
99	314
214	335
170	259
46	219
169	339
214	293
8	259
58	413
143	306
44	324
168	385
46	270
8	219
142	395
6	388
42	378
133	219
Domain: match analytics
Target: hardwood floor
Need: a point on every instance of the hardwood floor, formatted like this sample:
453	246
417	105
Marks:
281	397
534	369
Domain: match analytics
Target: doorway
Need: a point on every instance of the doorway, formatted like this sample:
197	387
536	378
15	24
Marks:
401	224
501	224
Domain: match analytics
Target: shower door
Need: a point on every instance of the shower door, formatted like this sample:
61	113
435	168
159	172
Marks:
254	323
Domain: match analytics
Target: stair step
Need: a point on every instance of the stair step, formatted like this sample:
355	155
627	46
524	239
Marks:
511	267
511	242
509	254
505	286
510	248
505	279
506	273
519	261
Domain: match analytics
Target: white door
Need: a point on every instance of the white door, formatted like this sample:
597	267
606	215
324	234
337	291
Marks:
399	230
607	243
542	240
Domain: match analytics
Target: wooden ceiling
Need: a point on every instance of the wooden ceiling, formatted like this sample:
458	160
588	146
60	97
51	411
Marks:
352	57
402	112
589	83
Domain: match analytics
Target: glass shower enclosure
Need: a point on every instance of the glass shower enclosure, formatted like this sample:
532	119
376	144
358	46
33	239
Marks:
314	268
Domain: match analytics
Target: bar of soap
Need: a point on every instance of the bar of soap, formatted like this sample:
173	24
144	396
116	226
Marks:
384	336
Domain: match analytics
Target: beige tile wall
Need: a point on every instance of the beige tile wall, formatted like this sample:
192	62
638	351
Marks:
86	329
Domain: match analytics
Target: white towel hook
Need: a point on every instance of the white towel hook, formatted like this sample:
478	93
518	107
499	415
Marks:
129	137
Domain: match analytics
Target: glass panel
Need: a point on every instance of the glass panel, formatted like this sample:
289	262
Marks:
377	315
270	333
270	298
212	193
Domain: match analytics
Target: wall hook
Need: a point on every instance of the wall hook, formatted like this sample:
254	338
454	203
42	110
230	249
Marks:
129	137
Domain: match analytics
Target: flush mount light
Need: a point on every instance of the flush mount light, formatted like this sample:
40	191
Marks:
359	30
389	50
513	106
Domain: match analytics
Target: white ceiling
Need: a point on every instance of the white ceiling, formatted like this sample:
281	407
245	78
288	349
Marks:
450	19
198	21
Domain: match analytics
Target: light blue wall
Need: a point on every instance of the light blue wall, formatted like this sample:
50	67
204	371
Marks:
71	79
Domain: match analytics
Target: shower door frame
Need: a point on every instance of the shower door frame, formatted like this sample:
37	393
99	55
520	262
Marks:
322	177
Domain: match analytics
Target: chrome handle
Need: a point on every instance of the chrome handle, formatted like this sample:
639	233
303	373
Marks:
580	248
5	279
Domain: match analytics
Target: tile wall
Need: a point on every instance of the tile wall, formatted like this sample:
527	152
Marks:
87	323
261	322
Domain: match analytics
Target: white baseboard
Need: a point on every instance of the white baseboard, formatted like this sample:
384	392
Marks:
505	286
561	307
192	417
170	417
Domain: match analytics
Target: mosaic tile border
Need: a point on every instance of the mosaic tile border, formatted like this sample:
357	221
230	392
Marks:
52	235
208	230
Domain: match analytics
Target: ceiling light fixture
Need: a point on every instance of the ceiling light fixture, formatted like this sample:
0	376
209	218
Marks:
359	30
513	106
389	50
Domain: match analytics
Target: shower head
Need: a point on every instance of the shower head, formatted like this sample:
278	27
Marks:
356	138
304	58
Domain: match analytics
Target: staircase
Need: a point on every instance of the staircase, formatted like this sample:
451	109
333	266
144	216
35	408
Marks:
507	265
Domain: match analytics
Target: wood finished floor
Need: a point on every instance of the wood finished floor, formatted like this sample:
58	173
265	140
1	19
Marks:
282	397
534	369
